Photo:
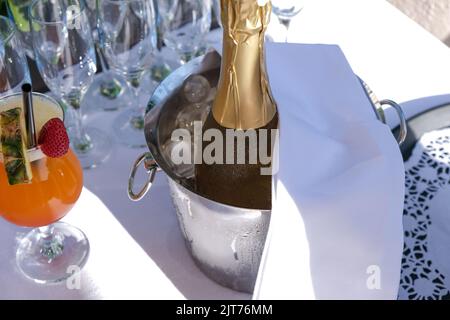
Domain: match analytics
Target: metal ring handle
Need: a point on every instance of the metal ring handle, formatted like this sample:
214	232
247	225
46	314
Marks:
151	166
403	124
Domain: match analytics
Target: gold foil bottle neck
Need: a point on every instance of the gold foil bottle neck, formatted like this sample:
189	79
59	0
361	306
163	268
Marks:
244	100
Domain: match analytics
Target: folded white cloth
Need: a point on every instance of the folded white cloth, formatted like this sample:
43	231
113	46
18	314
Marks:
336	229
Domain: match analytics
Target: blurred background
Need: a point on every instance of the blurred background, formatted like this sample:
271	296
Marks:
433	15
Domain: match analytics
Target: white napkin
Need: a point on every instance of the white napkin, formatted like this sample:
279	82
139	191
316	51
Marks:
336	229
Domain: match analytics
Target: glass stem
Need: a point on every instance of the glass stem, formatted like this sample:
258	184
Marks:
80	140
137	116
286	22
109	86
160	70
103	64
52	245
185	57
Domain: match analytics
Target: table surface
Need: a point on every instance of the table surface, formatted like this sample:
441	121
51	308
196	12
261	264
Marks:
137	251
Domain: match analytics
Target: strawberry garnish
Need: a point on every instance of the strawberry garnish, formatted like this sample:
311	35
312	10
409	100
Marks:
53	139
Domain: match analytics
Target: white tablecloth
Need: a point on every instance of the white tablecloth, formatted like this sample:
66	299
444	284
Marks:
137	248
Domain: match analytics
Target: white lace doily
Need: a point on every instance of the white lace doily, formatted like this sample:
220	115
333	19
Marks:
426	256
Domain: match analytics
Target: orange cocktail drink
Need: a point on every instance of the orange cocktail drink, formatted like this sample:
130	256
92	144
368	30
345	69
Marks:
55	188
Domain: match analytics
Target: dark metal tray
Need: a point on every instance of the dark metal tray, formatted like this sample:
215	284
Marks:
432	119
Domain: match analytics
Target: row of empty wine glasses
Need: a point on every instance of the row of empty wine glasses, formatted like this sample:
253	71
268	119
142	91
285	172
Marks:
125	34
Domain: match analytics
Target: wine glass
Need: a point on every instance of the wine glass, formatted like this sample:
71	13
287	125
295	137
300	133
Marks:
18	10
162	65
128	35
13	63
186	27
109	89
65	57
46	252
285	10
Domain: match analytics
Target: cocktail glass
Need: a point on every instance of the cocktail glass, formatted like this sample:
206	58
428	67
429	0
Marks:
53	250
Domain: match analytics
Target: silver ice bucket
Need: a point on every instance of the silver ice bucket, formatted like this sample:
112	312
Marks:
225	242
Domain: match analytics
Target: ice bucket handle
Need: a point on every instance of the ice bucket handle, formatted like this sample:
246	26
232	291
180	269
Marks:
151	167
379	111
403	125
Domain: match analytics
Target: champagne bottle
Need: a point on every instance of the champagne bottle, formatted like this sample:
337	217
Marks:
244	105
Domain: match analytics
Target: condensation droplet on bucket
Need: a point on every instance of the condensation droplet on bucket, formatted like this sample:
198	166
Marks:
233	248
